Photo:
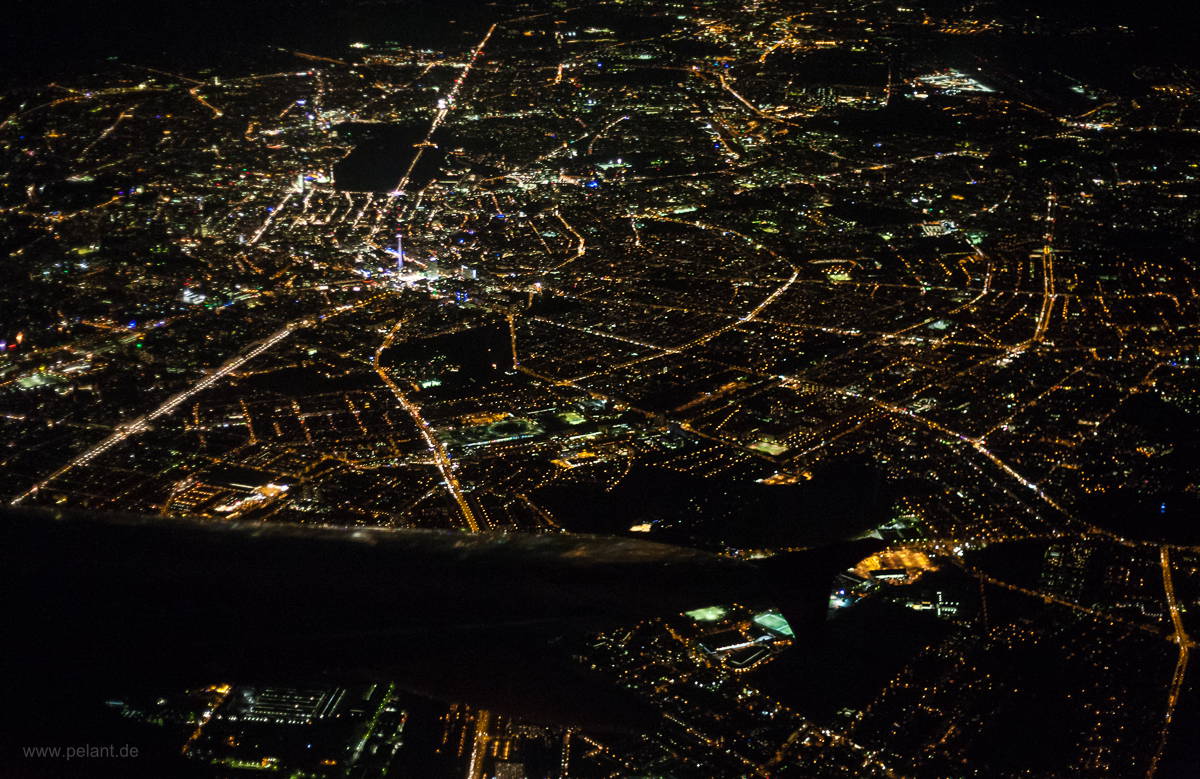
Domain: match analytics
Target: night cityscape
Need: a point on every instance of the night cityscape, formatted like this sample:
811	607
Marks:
600	388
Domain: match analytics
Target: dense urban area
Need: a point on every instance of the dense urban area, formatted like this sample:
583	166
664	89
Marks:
749	277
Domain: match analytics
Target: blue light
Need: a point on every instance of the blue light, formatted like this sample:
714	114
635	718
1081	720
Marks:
592	184
132	324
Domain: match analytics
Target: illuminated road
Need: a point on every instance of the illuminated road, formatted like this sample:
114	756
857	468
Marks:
143	423
199	98
975	443
1185	643
661	350
1179	635
1050	598
671	350
271	212
444	107
580	243
1048	295
222	692
440	458
753	108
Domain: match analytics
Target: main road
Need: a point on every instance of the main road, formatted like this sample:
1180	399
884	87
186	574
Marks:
1180	637
438	452
1048	293
444	106
141	424
440	458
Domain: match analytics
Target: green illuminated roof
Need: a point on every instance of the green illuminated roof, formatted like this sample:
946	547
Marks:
772	620
710	614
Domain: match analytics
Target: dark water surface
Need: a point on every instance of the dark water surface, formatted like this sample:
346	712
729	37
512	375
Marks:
381	155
